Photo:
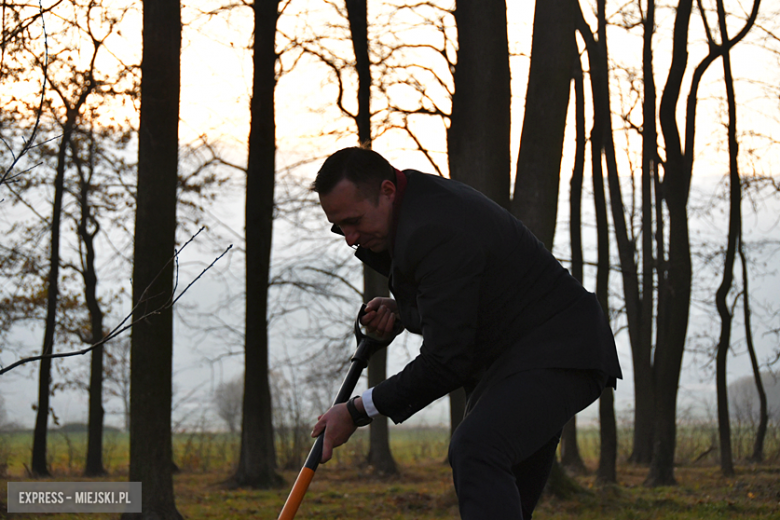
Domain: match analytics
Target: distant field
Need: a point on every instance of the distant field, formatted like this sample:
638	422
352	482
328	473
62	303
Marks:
209	452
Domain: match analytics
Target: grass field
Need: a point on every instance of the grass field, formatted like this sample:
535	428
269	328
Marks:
346	489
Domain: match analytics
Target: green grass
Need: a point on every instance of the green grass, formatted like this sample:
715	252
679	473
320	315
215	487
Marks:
345	488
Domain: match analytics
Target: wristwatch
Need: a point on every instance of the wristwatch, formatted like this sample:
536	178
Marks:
358	417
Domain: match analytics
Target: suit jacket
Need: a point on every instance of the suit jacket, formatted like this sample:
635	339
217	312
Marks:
488	299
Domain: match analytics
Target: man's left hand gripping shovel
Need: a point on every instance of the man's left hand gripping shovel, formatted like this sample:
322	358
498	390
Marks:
367	346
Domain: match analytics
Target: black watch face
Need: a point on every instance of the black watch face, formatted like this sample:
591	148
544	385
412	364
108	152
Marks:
363	421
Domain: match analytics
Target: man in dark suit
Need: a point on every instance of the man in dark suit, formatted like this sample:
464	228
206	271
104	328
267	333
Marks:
498	316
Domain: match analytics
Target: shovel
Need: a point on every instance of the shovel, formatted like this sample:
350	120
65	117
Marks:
367	345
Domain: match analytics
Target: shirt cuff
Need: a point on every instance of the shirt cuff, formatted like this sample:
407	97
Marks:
368	403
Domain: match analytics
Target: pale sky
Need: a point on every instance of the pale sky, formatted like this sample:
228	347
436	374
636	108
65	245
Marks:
216	81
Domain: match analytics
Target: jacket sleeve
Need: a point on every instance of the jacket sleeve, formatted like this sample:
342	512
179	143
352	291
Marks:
447	266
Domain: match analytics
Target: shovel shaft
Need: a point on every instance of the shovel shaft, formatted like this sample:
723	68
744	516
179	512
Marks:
367	346
302	482
315	454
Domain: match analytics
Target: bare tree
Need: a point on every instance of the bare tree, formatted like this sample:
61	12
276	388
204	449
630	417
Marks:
257	460
153	269
535	199
227	400
758	446
570	453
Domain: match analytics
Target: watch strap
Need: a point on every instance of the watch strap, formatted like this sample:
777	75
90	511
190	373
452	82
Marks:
358	417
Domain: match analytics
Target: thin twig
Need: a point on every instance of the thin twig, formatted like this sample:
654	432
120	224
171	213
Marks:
123	325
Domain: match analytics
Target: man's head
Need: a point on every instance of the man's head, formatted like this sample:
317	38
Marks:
365	168
357	189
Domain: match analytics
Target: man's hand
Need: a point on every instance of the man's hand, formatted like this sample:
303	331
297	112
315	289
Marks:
338	426
380	317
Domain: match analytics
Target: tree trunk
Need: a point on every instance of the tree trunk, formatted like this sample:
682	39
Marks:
547	99
94	462
155	241
674	277
607	472
257	459
735	226
570	452
599	136
758	446
597	52
642	351
675	271
478	137
379	455
39	465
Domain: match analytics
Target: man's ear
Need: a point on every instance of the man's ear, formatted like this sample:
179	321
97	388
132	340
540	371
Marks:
387	188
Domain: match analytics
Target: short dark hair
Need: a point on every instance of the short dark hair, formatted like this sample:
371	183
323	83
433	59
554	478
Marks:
361	166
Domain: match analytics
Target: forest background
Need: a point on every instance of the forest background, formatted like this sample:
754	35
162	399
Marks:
90	54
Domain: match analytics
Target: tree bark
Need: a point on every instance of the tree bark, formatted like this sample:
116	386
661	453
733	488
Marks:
735	227
641	352
478	137
675	271
94	459
597	52
257	458
153	266
570	453
547	99
39	465
380	457
606	471
758	446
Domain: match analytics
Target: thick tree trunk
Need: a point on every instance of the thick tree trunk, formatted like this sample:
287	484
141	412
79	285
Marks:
155	241
478	137
547	99
257	458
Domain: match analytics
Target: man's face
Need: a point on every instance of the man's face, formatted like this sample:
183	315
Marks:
363	222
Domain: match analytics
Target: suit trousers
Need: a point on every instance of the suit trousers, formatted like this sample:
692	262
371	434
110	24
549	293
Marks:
502	453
